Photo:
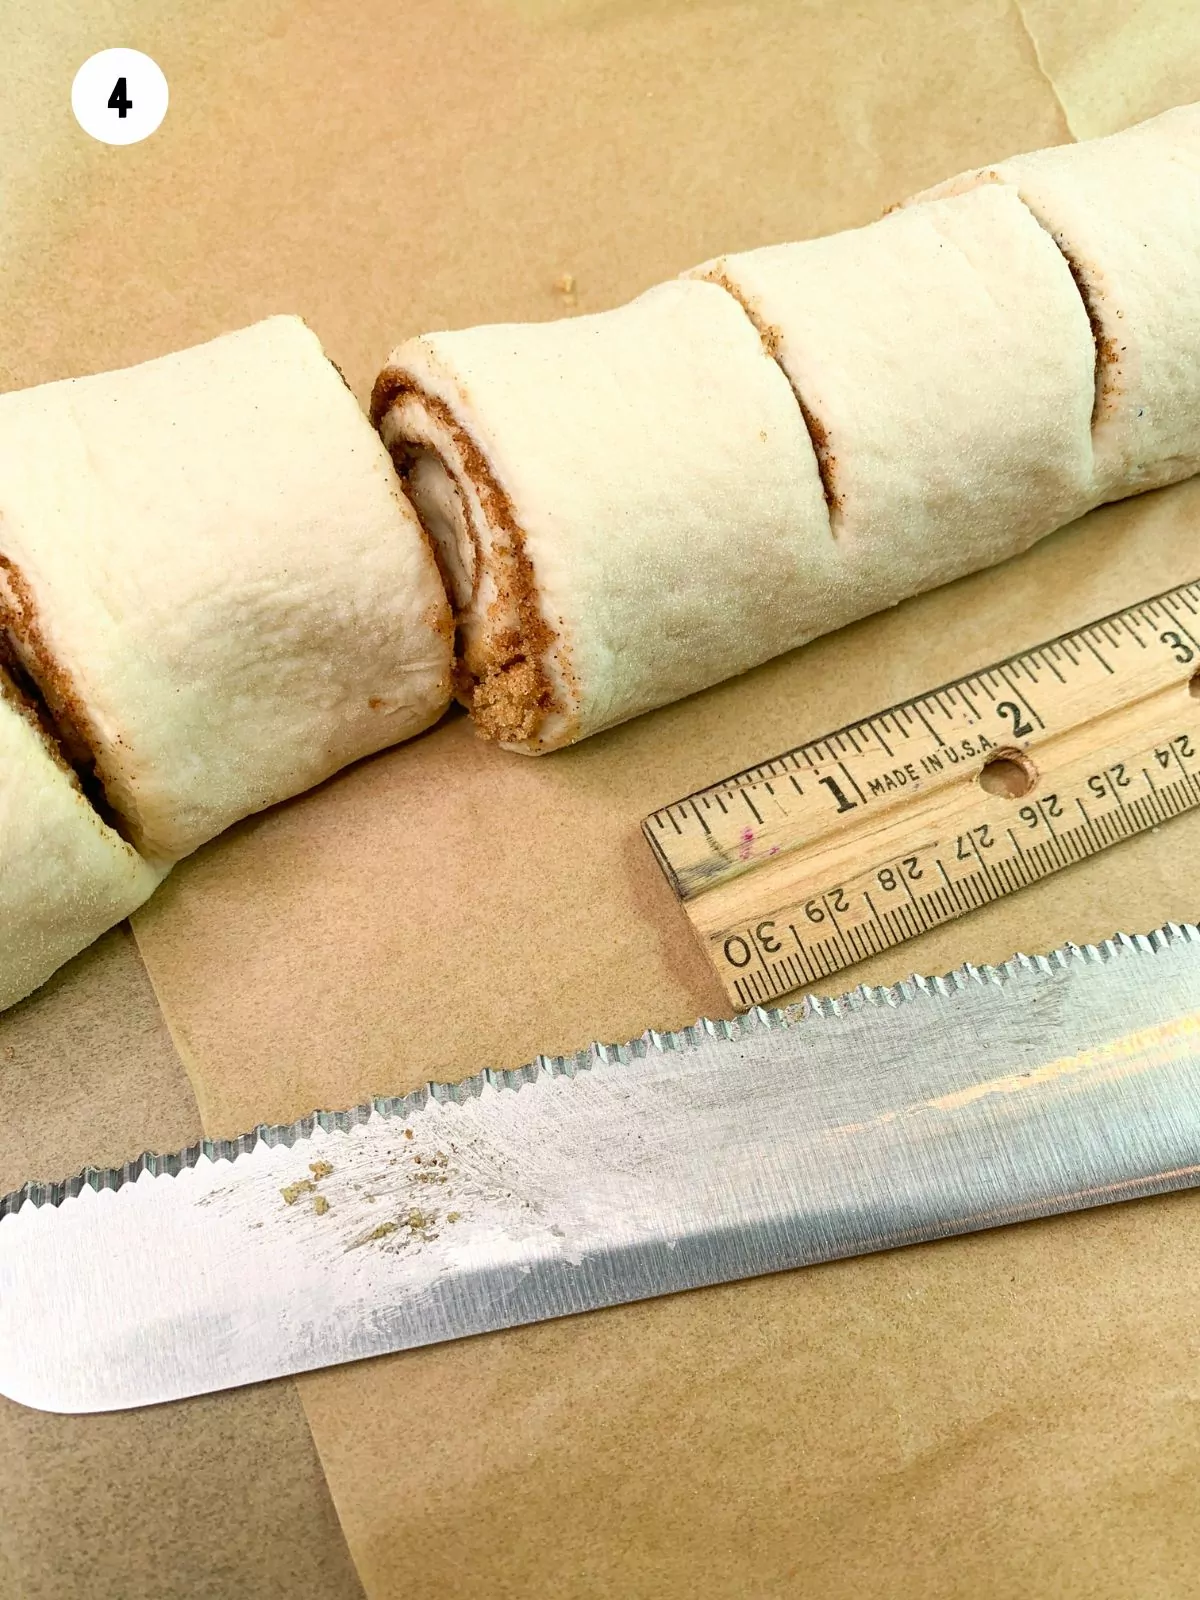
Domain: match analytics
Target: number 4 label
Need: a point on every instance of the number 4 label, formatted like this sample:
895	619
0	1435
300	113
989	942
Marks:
119	100
119	96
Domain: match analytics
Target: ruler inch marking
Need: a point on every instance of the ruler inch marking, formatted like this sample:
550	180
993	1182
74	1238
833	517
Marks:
853	782
907	787
1182	627
1024	701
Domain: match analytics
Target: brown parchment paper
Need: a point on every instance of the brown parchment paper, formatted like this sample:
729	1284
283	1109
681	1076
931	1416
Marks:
1114	62
219	1498
1013	1414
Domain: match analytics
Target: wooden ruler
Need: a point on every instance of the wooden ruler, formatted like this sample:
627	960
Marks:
844	847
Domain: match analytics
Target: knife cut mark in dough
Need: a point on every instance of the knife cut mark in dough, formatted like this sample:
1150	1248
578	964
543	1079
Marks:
818	433
1108	351
946	375
1124	213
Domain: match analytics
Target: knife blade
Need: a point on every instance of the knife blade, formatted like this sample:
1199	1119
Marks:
823	1129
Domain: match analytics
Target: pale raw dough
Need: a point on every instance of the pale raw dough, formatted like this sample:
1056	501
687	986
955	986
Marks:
65	877
629	506
209	570
1125	211
944	361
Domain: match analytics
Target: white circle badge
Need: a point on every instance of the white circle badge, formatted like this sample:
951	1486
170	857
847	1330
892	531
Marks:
119	96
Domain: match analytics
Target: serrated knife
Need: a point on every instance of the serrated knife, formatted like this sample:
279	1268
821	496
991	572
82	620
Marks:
825	1129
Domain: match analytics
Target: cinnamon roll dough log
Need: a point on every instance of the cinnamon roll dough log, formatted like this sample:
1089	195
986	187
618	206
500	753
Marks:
627	507
944	362
1125	212
209	570
65	877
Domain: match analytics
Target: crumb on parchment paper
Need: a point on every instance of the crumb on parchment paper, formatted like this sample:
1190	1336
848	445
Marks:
293	1191
320	1205
320	1169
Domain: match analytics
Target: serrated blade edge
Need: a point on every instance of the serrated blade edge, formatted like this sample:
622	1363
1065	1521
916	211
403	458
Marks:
810	1006
725	1150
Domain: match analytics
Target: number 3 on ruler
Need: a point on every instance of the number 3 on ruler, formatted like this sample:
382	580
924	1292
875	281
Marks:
1183	652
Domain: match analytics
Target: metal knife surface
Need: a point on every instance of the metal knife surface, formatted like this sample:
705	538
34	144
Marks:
825	1129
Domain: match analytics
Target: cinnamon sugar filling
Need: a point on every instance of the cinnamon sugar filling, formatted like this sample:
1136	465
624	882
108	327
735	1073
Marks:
1108	351
32	681
501	676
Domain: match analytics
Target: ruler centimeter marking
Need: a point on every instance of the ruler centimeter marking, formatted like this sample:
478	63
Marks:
864	838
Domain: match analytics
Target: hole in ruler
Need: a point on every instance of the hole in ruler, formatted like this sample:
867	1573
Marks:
1011	773
1194	685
